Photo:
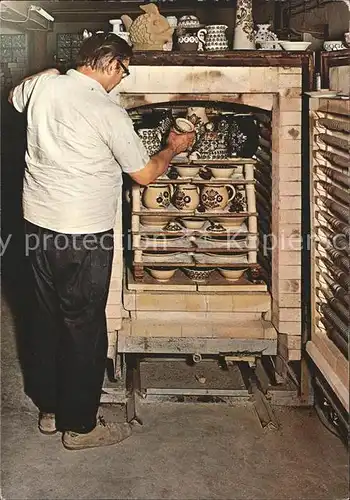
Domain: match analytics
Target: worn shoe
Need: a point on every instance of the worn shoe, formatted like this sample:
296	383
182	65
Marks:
102	435
47	423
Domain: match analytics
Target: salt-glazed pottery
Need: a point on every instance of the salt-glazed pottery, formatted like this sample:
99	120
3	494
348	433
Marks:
294	46
198	274
231	274
222	171
215	38
155	220
186	197
157	196
149	31
193	222
244	26
191	39
188	171
172	20
163	273
216	197
151	139
188	21
118	29
333	45
183	126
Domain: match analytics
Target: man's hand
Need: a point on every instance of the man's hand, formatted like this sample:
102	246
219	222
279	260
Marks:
180	142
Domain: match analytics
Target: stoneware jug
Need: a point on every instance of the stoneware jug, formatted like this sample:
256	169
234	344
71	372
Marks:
157	196
186	197
151	139
216	197
216	37
191	39
244	26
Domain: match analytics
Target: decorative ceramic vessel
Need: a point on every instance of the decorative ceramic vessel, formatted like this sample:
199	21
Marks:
186	197
188	21
244	26
193	222
157	196
211	146
216	197
222	171
118	29
197	116
188	171
243	136
155	221
231	274
230	222
172	20
263	33
151	139
191	39
183	126
294	46
269	45
215	38
173	226
198	274
333	45
149	31
162	274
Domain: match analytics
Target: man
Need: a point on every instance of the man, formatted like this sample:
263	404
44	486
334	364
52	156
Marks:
79	143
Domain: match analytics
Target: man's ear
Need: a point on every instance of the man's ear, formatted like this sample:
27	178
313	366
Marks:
113	67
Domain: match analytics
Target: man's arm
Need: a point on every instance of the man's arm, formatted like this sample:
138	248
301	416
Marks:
158	164
23	86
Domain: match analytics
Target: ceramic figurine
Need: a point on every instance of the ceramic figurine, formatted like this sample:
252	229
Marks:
149	31
244	27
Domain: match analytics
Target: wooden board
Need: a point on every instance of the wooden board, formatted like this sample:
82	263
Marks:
179	282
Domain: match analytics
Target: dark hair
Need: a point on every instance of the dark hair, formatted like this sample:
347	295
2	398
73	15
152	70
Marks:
100	49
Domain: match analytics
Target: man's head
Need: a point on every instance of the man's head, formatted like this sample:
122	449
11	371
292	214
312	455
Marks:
104	58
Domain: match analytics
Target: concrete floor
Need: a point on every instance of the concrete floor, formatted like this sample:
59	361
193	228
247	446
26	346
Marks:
182	452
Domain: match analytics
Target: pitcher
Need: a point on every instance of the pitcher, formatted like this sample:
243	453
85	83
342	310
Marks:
215	197
216	37
157	196
186	197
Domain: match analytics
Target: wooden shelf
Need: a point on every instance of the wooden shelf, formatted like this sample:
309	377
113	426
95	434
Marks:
194	264
227	161
180	213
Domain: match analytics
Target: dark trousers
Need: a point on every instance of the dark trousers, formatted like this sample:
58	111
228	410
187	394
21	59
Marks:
69	339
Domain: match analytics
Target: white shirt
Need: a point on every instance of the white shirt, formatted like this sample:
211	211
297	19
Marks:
79	142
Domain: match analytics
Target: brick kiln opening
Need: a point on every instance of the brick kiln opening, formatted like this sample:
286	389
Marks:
202	273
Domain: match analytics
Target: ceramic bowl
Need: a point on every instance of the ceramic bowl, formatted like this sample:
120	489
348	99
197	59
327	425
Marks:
331	45
193	222
183	126
222	172
231	274
269	45
292	46
233	258
230	222
198	274
187	171
155	220
162	274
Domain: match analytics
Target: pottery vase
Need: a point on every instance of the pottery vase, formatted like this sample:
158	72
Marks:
244	26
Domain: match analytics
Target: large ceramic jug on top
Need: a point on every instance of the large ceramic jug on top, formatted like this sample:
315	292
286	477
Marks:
244	26
186	197
157	196
216	37
216	197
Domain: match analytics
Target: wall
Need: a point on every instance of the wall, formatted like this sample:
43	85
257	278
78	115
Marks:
336	15
11	72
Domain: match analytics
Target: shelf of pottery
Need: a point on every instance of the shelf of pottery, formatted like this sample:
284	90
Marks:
197	224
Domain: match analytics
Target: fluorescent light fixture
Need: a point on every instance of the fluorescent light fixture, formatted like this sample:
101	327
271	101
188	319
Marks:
42	12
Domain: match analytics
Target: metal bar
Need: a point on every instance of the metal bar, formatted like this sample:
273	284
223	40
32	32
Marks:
197	392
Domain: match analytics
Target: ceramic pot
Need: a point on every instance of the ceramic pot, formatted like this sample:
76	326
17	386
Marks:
222	171
193	222
197	116
186	197
188	171
231	274
216	197
162	274
183	126
157	196
188	21
151	139
211	146
191	39
198	274
244	26
215	38
333	45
